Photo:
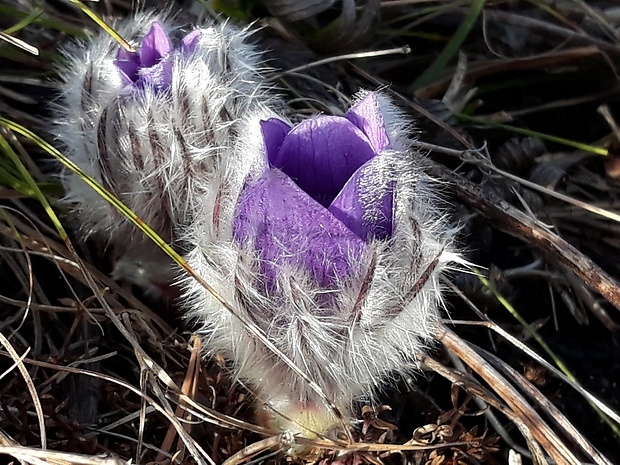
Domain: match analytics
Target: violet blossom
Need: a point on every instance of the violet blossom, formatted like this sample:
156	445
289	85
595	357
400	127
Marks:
152	63
319	204
327	236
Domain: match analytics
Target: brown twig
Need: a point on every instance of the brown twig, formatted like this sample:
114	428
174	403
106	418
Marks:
518	224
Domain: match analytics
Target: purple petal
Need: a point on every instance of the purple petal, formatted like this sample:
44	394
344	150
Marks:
274	132
365	204
366	115
155	45
159	76
320	155
190	41
291	232
128	64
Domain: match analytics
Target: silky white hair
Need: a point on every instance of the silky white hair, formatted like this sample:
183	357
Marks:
154	150
378	319
180	159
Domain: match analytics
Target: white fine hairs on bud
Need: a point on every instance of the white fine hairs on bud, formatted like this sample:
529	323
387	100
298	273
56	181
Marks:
180	159
154	150
383	315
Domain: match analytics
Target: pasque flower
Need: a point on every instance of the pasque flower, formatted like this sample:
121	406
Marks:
326	235
152	126
333	244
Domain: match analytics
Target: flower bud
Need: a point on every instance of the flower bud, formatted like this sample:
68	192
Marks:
152	127
333	244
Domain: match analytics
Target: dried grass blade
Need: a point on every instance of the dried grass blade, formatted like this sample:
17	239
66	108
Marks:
19	43
558	195
472	386
187	388
279	441
36	402
552	444
45	457
518	344
405	50
554	413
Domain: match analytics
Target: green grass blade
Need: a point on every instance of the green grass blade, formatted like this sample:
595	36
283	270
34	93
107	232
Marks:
529	132
436	69
44	20
116	203
32	184
103	25
31	18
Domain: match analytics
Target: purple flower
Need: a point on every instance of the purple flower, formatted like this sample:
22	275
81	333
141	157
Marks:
323	198
152	64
